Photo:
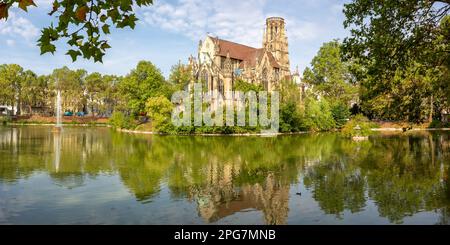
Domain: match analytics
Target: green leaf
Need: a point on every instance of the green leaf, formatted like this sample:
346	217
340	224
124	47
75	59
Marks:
103	18
48	48
73	54
105	46
105	29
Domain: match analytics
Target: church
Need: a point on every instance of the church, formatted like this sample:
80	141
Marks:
220	62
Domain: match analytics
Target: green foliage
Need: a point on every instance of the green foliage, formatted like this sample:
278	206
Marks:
341	114
20	87
11	80
410	95
99	93
318	115
180	76
439	124
359	125
159	109
4	120
394	31
142	83
403	48
83	23
121	121
289	92
291	119
331	76
244	87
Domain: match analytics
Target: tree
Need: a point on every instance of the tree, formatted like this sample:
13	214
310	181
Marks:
83	23
159	109
142	83
291	108
403	47
96	88
37	92
331	76
181	75
110	96
26	91
70	83
318	115
11	81
387	34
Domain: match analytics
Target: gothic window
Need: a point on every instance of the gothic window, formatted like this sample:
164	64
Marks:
222	62
221	86
204	79
265	79
277	74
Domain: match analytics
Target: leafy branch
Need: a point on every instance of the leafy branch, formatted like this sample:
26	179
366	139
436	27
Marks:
83	23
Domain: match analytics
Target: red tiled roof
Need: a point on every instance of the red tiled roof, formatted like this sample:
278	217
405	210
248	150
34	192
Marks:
237	51
243	53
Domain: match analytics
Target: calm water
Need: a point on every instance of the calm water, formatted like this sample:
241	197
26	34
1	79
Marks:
97	176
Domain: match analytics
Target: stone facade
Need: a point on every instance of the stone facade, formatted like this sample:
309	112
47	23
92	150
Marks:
219	62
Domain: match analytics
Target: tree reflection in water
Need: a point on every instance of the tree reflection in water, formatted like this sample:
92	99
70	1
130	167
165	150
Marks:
402	174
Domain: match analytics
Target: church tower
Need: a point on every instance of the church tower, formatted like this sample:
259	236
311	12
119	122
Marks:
275	41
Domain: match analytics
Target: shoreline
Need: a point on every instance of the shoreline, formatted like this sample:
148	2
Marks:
64	125
277	134
209	135
215	135
414	129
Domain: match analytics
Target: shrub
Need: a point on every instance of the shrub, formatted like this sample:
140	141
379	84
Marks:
318	115
4	120
439	124
350	128
243	86
159	110
340	113
290	118
120	120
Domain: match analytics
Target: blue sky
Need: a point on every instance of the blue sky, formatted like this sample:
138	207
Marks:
169	31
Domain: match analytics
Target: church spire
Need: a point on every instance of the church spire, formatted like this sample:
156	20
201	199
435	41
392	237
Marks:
276	42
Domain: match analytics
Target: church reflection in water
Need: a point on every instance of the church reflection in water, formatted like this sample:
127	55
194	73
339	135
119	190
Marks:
225	176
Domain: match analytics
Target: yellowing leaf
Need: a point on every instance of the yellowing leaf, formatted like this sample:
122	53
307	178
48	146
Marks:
81	13
3	11
23	4
105	46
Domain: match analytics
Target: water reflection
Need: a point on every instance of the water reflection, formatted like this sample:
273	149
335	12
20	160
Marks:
401	175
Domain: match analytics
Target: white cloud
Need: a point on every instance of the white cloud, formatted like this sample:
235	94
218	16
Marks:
240	21
44	3
18	27
235	20
10	42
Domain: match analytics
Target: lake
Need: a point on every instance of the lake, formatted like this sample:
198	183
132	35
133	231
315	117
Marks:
99	176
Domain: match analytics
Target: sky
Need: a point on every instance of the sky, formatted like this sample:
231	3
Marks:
169	31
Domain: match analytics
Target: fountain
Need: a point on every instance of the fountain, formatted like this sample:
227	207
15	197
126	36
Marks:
58	126
57	141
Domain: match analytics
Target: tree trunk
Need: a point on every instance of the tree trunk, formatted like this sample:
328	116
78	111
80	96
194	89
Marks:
19	105
430	119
